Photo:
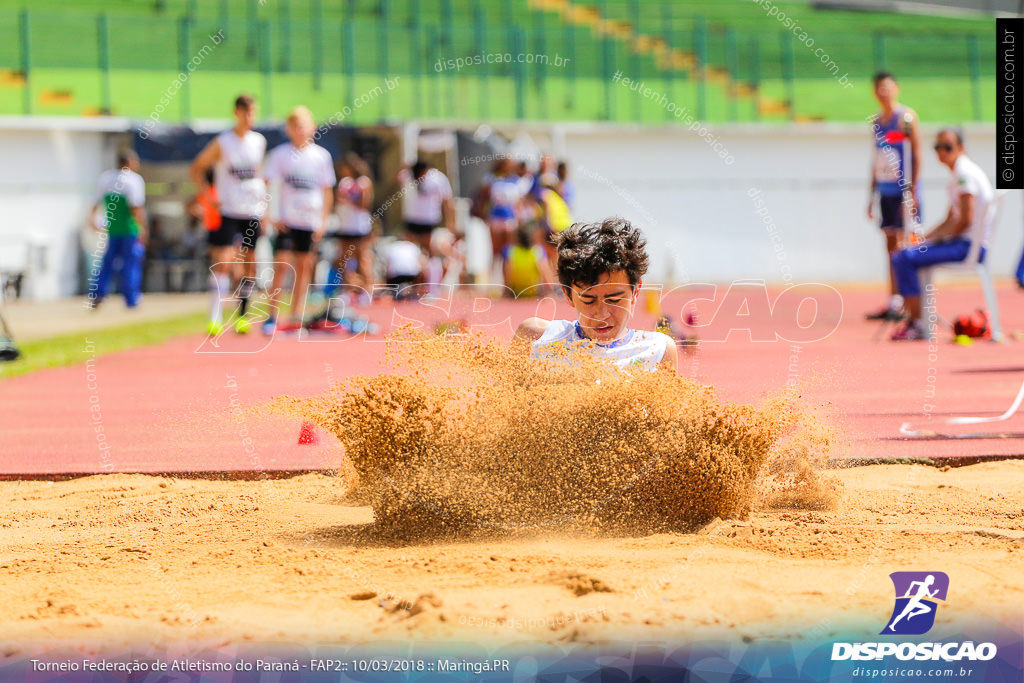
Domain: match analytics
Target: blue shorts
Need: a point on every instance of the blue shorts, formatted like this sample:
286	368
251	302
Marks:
502	213
905	263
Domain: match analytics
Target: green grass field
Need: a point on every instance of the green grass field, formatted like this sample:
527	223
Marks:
67	349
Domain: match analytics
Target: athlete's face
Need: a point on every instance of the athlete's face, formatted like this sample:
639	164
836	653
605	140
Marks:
604	309
300	131
886	91
245	116
947	149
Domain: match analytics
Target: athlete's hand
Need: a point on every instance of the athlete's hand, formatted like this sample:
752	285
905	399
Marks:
871	209
318	235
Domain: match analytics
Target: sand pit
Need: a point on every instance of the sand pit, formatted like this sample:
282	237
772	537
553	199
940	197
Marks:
476	438
133	559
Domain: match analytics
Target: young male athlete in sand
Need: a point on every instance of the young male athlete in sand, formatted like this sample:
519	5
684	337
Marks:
600	267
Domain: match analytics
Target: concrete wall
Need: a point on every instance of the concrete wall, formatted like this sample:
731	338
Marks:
48	173
700	212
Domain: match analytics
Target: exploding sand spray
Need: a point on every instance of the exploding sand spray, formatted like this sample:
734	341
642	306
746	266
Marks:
470	435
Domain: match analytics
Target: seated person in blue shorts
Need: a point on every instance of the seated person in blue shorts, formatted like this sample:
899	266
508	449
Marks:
970	194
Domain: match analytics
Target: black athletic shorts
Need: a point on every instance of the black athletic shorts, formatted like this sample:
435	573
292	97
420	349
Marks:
401	280
342	236
235	231
294	239
892	211
419	228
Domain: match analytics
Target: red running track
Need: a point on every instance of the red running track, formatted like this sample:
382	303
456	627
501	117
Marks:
186	407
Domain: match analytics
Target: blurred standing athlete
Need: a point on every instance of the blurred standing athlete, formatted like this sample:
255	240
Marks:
237	158
355	229
304	175
894	177
426	201
122	196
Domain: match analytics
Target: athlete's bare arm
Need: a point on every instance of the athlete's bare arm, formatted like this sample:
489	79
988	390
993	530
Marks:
448	210
529	331
207	158
328	208
915	149
92	218
873	185
939	231
670	361
963	220
954	224
366	185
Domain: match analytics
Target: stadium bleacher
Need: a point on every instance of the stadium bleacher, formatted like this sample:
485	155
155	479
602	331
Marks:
735	60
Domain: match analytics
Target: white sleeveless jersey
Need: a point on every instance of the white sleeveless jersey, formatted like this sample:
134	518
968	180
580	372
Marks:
636	349
303	175
240	187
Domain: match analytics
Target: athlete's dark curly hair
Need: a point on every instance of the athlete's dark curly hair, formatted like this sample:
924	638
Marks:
586	251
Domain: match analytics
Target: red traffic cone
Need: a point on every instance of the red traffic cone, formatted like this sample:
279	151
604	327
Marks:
308	436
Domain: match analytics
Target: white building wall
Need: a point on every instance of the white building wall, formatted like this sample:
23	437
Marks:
698	211
702	222
48	173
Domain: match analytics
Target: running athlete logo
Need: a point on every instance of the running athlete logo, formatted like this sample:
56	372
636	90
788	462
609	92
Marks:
917	596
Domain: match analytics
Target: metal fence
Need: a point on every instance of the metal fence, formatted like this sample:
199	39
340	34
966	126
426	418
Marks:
470	67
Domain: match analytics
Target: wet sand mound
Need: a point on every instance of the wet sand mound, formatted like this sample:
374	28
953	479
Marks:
475	436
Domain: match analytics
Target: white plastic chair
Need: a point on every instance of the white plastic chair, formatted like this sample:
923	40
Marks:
972	262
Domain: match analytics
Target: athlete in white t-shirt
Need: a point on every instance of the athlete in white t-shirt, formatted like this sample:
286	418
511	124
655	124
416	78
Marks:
426	202
301	174
969	218
237	158
404	263
354	200
601	268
